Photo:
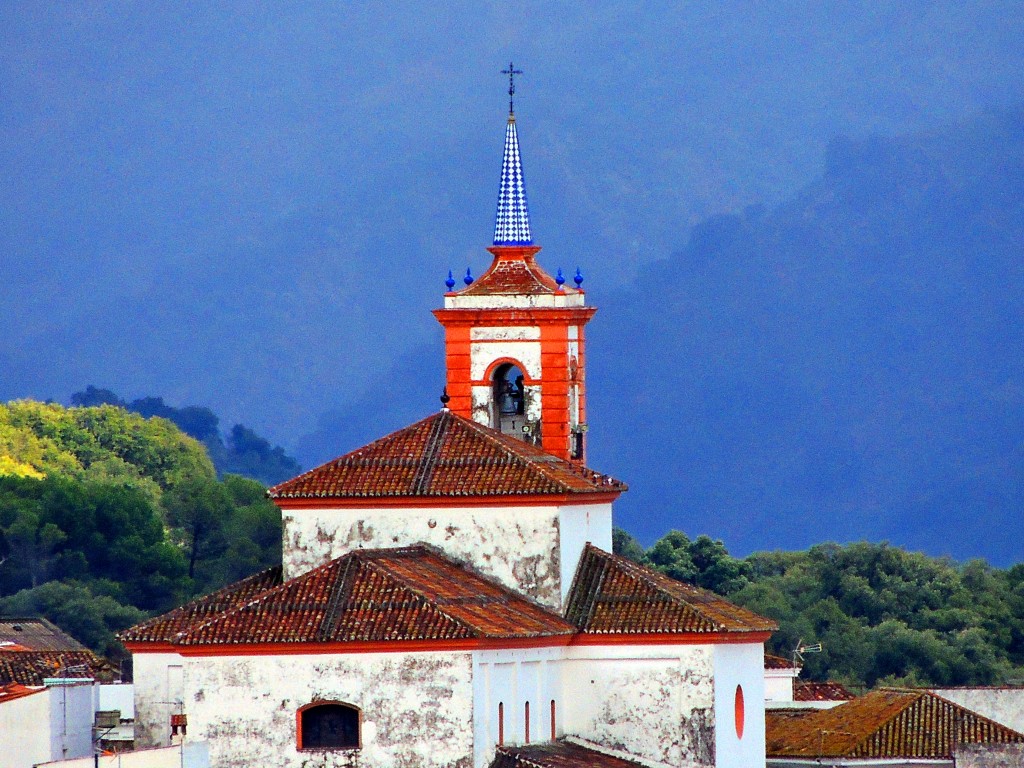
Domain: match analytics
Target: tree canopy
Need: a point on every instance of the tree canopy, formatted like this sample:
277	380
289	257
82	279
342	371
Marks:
107	517
883	615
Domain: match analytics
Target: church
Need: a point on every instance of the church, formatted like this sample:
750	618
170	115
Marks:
448	595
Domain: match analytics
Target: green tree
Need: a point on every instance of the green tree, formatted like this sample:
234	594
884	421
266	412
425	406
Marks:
91	618
200	509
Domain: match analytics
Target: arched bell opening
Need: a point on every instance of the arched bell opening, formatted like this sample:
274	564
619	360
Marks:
509	402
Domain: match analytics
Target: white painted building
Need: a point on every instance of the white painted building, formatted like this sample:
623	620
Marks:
448	590
44	723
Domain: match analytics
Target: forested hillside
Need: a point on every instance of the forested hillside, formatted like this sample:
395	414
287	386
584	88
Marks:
241	451
883	615
106	517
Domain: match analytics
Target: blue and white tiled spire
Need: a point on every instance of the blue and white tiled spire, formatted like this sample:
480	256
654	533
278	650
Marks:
512	223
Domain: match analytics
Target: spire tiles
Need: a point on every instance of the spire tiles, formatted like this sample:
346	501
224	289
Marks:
512	222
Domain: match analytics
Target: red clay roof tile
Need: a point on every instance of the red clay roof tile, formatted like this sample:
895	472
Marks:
613	595
32	667
13	691
410	593
811	690
883	724
445	455
166	627
557	754
514	271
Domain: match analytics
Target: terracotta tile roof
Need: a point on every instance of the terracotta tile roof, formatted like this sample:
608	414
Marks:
445	455
883	724
557	754
13	691
167	627
613	595
37	634
31	667
810	690
514	271
777	662
410	593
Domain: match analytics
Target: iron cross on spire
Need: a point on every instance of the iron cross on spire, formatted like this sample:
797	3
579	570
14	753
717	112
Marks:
511	72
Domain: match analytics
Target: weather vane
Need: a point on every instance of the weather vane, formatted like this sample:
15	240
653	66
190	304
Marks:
511	72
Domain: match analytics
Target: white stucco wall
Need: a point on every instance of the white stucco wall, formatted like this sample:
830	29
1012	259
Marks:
580	524
739	666
520	546
119	696
1004	704
655	703
483	353
158	689
417	708
567	298
25	731
511	679
778	685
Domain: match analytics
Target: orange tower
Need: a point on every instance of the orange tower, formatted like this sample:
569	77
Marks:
514	340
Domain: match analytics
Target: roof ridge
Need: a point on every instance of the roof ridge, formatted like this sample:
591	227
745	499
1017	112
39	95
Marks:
342	585
226	589
649	577
418	594
384	440
862	743
490	435
977	715
258	597
438	431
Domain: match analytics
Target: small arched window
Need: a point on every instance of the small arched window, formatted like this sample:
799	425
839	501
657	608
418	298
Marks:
328	725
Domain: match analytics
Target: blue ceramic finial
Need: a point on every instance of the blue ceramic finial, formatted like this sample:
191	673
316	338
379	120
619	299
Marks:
468	279
560	279
579	278
450	282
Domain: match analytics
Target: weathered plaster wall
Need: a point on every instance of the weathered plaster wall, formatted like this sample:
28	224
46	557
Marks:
1005	705
989	756
417	708
739	666
158	686
518	546
655	703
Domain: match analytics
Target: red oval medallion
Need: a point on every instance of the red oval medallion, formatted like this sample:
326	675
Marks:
740	713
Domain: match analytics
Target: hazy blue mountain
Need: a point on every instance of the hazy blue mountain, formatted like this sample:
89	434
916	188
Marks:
847	365
253	206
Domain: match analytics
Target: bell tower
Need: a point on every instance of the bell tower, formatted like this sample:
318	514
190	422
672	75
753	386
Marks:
514	338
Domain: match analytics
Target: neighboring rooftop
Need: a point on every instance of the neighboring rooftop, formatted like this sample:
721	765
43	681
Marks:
384	595
448	456
32	667
12	691
883	724
811	690
777	662
613	595
36	634
556	754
